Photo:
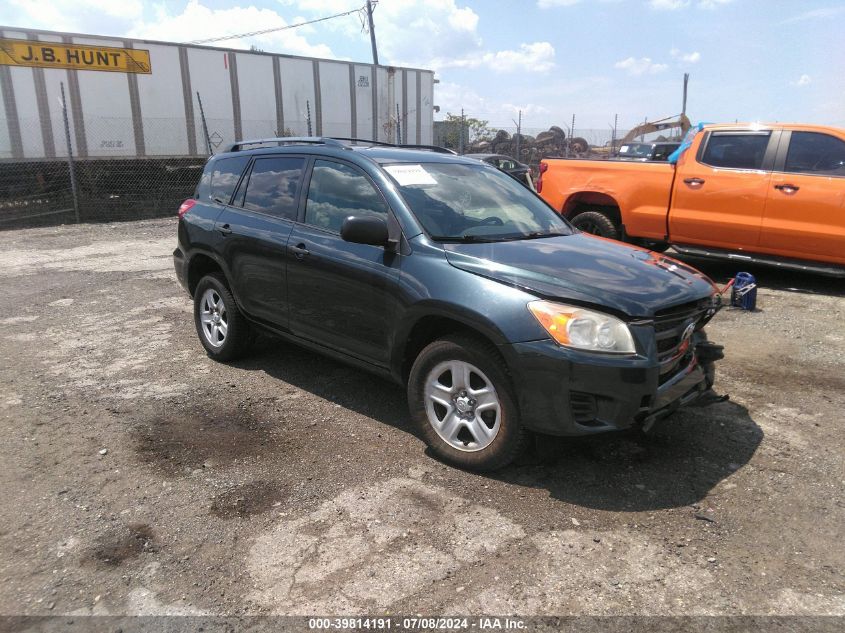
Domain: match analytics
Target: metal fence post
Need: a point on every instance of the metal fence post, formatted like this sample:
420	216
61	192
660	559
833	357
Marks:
308	115
73	187
205	126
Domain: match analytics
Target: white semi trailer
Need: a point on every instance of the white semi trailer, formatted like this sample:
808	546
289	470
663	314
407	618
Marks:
130	98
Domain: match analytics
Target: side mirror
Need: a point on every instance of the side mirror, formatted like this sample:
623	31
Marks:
367	229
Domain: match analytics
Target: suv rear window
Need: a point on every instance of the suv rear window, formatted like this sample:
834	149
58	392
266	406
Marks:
736	150
220	178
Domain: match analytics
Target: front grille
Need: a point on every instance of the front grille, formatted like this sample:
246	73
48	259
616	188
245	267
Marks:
670	325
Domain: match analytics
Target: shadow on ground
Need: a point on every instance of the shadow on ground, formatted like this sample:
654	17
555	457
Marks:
675	465
767	277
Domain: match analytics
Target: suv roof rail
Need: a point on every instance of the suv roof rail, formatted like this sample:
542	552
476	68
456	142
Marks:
284	140
335	141
431	148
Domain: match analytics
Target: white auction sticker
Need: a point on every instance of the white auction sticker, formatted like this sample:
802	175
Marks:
410	175
623	149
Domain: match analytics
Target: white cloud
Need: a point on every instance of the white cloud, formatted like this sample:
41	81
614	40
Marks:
199	22
674	5
815	14
108	18
452	97
547	4
640	66
689	58
803	80
436	34
668	5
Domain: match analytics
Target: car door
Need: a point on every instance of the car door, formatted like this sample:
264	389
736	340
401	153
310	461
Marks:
719	194
255	228
342	295
805	208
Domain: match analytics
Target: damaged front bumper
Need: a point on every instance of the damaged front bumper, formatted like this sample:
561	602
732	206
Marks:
565	392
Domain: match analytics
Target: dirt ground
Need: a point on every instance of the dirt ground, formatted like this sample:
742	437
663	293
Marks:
140	477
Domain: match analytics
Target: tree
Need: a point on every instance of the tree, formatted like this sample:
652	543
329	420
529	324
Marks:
475	130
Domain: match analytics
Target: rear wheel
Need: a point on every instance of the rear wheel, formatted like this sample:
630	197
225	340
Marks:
462	402
596	223
222	329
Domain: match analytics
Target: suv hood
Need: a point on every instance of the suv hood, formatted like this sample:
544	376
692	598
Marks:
588	270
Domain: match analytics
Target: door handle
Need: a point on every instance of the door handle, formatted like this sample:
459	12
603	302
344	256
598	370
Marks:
787	188
299	251
694	182
225	229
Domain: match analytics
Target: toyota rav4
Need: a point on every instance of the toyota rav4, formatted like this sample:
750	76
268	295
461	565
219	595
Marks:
449	277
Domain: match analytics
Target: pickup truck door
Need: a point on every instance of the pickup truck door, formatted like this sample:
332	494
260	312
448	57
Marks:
805	209
719	194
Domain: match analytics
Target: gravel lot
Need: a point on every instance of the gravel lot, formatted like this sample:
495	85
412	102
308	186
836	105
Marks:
139	477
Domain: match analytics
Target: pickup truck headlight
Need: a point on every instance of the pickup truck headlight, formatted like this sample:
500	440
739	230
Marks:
583	329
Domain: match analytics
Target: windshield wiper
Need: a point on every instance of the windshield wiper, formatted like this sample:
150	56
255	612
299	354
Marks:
535	235
464	239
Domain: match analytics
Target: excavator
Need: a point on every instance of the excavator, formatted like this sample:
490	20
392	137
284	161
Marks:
681	122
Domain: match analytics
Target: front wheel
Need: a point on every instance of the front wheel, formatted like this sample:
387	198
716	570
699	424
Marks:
596	223
462	402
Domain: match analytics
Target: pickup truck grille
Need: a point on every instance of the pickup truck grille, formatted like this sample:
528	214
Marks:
670	327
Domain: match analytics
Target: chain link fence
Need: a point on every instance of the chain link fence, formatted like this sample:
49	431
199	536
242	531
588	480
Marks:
529	144
101	169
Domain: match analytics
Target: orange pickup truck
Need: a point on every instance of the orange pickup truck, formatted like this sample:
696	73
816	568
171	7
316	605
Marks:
769	194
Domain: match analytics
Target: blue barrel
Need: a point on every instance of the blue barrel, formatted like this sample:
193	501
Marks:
744	292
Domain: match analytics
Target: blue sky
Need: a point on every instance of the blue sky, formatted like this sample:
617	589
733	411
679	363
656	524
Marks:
748	59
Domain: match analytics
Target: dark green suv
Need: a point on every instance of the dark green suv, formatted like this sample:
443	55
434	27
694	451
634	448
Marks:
448	276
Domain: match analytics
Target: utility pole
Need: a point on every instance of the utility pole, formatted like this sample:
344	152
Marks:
372	31
461	139
518	135
613	138
684	105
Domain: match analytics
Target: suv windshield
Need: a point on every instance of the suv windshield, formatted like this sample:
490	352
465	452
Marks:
470	203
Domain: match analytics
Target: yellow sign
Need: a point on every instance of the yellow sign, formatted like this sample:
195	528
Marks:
75	56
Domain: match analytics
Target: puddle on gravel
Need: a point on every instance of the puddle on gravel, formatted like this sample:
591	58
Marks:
247	499
124	544
183	442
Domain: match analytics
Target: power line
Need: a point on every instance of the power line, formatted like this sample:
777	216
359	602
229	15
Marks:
278	28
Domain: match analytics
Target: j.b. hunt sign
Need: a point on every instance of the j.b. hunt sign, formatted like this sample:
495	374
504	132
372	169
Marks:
75	56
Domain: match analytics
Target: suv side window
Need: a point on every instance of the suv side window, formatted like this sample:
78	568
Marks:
273	186
218	183
337	191
816	153
736	150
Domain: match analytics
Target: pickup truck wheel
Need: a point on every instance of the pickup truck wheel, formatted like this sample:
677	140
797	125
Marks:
462	402
597	223
222	329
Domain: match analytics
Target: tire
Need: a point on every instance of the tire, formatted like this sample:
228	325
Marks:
596	223
461	384
221	328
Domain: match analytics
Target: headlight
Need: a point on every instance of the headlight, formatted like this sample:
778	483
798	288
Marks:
583	329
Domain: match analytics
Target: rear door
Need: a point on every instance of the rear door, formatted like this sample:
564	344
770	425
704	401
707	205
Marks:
342	295
805	209
255	228
720	193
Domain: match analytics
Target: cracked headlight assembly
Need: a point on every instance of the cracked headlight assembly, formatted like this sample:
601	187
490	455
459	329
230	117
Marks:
583	329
